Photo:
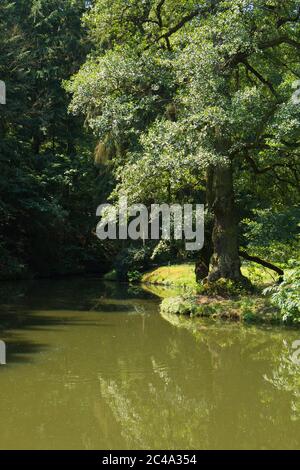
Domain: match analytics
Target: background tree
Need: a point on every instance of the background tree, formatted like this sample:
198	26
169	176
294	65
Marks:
49	186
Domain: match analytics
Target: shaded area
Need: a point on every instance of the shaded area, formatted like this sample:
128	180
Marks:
49	305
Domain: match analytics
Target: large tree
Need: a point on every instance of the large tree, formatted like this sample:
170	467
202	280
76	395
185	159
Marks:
206	84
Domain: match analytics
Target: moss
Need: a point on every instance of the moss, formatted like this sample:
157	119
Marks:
250	309
178	305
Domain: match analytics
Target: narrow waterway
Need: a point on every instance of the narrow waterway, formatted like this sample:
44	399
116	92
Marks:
95	366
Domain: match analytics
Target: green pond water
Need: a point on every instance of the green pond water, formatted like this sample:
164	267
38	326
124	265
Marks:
95	366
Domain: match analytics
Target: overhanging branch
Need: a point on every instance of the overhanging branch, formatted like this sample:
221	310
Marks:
262	262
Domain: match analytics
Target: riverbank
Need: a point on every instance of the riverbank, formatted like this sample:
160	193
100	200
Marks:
223	300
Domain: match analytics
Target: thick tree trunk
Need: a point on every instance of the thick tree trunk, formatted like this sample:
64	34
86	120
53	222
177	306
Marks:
203	260
225	261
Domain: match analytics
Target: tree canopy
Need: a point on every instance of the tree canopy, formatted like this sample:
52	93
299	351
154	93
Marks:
185	92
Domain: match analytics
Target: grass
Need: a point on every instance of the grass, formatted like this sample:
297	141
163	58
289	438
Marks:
177	286
183	276
177	275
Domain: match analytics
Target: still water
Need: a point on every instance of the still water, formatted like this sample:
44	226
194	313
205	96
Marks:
95	366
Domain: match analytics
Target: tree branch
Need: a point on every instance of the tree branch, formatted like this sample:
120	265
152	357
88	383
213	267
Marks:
289	19
158	12
180	24
260	171
262	262
261	78
278	41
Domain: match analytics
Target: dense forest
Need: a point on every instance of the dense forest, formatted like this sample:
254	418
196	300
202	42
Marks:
166	101
49	185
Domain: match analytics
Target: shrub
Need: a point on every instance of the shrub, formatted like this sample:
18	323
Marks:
134	276
132	259
178	305
286	296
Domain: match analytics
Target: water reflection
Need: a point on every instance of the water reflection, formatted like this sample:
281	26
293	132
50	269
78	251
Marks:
104	370
286	377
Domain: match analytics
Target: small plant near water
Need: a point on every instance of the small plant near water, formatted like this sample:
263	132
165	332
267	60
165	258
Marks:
179	305
286	296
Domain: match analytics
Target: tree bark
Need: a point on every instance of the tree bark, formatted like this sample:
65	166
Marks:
225	261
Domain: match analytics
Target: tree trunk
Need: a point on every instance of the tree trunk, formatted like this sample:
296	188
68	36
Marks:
225	261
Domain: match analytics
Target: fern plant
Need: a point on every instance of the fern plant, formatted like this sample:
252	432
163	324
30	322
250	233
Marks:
286	296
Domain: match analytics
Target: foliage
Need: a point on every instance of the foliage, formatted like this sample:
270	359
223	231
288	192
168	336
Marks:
178	305
172	91
169	93
273	233
286	295
132	260
48	183
134	276
245	308
273	226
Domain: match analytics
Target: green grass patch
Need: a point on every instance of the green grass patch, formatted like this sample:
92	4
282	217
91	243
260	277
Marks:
177	275
183	275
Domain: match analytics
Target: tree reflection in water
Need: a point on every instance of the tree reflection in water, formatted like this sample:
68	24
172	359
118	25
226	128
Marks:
220	397
286	377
